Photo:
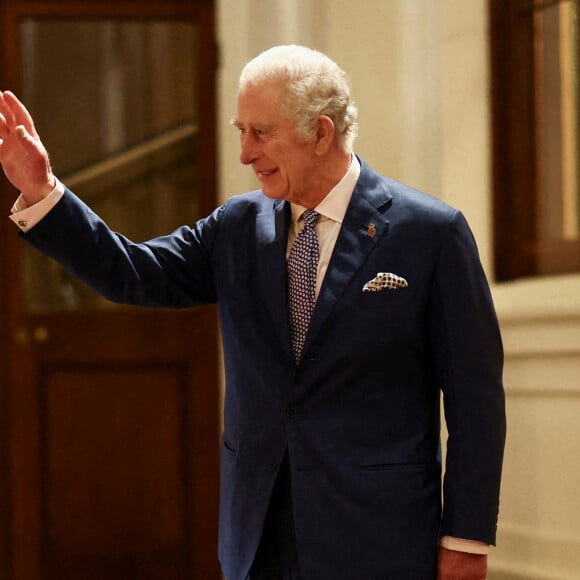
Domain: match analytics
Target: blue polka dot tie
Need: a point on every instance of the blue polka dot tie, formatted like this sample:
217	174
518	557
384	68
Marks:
302	266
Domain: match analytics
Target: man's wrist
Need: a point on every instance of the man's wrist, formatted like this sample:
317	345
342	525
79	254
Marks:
26	216
33	197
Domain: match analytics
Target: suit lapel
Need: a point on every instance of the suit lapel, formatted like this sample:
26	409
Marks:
363	227
272	231
354	245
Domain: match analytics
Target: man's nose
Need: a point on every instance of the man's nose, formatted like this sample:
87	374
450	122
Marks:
249	150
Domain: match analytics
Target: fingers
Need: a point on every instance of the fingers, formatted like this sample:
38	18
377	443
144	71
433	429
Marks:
7	130
3	120
6	116
22	155
15	113
16	122
20	134
7	119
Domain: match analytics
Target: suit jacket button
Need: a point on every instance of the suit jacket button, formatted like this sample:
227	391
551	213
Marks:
274	467
291	411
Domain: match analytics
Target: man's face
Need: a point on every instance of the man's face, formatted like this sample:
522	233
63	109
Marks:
283	161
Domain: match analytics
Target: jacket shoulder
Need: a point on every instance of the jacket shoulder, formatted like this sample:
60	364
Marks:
404	200
252	201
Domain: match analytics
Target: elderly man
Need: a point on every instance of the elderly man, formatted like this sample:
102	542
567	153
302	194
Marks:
347	303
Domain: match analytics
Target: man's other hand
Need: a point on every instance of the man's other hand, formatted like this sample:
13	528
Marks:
454	565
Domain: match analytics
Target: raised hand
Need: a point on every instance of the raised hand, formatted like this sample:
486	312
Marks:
22	154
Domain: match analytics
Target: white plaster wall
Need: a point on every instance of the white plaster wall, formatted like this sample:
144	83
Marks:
540	514
419	71
418	78
244	29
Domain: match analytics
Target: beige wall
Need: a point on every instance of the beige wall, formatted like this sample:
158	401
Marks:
419	75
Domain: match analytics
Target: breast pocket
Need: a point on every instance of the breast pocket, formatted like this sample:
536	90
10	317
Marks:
402	306
394	301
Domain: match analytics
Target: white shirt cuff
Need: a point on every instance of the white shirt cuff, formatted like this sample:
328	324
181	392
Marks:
26	217
461	545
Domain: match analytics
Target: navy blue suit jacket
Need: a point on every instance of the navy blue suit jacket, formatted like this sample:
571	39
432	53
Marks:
359	417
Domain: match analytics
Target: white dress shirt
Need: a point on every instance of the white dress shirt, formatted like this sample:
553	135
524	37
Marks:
26	217
332	210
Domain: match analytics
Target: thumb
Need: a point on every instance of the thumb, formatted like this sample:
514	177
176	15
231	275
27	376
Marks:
21	132
31	144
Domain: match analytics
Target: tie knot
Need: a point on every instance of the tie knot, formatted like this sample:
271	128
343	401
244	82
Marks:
310	216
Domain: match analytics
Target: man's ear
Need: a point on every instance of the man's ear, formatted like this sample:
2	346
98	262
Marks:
324	134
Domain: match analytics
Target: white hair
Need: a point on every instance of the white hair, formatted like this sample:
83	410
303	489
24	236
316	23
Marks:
315	85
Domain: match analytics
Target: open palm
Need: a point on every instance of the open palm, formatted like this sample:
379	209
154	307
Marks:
22	155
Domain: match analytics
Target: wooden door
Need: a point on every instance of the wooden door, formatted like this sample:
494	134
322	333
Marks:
109	415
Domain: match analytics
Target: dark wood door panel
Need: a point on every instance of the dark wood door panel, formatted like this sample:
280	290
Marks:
123	421
115	462
139	335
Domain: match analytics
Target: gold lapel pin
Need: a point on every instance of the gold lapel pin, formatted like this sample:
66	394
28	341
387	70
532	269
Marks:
371	231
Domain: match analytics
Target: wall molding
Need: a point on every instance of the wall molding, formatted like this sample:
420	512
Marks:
535	554
546	337
541	299
539	538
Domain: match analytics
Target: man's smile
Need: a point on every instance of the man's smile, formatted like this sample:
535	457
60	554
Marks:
265	173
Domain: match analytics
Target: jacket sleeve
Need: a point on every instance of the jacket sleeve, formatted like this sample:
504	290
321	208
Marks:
172	271
468	356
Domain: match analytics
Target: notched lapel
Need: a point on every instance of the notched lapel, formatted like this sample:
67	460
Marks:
364	225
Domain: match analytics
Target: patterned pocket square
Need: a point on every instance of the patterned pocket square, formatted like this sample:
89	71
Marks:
385	281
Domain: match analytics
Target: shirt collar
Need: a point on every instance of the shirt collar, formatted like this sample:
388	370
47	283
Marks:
334	205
